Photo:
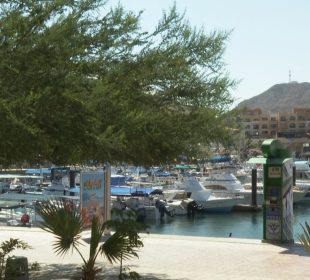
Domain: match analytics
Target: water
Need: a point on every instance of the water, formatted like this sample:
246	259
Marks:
239	224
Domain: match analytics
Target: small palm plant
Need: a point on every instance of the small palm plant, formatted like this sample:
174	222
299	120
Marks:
6	247
304	237
67	224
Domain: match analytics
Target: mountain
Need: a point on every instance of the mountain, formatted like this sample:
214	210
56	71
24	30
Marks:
280	98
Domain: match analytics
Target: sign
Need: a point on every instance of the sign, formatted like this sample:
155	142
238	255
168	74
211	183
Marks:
273	229
92	185
274	172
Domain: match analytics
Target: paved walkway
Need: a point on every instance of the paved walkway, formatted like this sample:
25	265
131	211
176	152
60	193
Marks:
175	257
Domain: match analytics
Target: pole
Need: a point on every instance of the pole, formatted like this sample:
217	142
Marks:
254	187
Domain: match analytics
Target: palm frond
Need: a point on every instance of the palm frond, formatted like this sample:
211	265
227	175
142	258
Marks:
64	222
96	235
125	242
304	237
117	248
125	223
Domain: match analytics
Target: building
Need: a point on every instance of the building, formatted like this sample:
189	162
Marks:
293	128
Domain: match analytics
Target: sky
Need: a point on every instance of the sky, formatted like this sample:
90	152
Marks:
269	38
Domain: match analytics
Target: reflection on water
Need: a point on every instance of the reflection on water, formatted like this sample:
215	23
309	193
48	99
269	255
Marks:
239	224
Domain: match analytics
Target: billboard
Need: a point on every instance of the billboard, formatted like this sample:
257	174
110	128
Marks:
93	185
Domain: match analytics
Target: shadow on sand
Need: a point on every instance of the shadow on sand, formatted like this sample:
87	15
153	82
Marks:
293	249
73	272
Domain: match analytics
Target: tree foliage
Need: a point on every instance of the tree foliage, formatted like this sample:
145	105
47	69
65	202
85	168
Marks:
6	248
82	82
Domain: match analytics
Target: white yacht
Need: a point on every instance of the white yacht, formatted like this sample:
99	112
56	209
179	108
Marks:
193	190
223	184
299	194
303	179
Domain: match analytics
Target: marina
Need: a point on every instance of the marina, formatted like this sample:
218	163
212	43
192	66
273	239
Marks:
163	199
235	224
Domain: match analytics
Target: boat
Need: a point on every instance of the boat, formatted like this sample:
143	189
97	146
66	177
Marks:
302	182
299	193
19	182
144	207
223	184
190	188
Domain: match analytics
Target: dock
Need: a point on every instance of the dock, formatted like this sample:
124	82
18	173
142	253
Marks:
247	208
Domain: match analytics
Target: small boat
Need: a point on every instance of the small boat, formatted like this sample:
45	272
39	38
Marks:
144	207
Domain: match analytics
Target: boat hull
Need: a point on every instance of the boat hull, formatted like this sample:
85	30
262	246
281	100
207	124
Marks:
218	205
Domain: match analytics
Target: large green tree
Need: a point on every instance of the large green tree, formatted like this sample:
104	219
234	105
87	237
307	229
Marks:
81	82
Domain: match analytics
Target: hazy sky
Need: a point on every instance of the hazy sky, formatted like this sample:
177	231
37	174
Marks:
269	37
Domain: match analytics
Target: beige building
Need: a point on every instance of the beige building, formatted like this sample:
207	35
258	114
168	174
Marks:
259	124
292	128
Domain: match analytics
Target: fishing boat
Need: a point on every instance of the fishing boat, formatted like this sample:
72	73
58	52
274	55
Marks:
192	189
224	184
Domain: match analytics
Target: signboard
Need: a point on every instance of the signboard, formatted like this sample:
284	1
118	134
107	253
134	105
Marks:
287	201
288	216
93	185
273	222
278	194
274	172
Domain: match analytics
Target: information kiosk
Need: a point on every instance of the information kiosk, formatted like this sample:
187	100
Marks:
278	193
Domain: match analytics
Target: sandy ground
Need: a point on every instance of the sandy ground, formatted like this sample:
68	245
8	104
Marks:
172	257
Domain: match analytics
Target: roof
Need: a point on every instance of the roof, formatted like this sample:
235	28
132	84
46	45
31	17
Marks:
13	176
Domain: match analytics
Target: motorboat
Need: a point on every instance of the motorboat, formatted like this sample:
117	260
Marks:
144	207
18	182
223	184
299	193
190	188
302	182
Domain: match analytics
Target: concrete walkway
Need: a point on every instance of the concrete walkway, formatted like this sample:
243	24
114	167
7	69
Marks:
174	257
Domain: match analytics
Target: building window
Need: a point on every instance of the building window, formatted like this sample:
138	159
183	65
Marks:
292	118
301	118
283	119
291	125
255	126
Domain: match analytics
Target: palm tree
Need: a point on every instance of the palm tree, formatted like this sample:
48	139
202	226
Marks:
66	223
304	237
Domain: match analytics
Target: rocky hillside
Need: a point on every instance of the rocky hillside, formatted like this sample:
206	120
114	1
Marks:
281	98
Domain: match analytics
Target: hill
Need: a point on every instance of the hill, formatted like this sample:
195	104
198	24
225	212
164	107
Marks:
280	98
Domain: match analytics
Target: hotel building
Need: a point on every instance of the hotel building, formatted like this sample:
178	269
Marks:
292	128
